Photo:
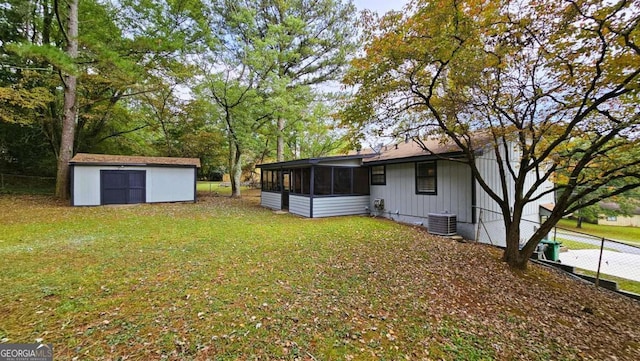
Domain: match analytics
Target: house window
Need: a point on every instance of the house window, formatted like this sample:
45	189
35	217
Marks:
426	178
612	218
378	175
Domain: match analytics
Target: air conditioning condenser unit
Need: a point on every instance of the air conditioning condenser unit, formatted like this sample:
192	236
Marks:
442	224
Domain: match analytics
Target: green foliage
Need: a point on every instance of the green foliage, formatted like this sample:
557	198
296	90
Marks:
129	52
546	89
316	135
292	45
45	53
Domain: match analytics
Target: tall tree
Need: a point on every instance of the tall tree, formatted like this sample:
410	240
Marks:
532	77
309	41
70	112
126	50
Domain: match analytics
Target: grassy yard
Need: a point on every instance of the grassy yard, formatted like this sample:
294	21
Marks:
623	283
629	235
224	279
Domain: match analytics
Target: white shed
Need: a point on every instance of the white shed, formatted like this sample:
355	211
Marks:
98	179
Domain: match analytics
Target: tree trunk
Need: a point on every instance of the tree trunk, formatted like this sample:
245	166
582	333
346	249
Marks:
513	256
235	168
280	147
46	22
579	224
69	108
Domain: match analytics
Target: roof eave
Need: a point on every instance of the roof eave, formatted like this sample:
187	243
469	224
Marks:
112	164
311	161
415	158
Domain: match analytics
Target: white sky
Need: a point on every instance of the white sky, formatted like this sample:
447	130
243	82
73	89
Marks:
380	6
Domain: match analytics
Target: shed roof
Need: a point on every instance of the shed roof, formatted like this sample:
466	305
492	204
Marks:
109	159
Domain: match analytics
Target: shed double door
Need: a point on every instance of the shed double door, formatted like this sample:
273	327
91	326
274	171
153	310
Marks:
122	186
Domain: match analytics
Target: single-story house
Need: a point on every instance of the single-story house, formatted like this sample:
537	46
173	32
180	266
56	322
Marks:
98	179
632	220
402	182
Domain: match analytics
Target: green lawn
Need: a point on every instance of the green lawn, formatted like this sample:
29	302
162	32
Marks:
623	283
629	235
570	244
225	279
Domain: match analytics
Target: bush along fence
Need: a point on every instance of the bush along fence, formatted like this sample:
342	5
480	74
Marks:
607	263
26	184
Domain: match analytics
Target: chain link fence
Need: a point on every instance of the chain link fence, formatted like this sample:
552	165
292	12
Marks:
609	263
615	262
25	184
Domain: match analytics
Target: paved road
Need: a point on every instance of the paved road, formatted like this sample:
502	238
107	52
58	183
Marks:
620	247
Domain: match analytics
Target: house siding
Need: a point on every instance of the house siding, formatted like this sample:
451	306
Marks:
622	221
490	228
271	200
340	206
454	195
163	184
299	205
341	163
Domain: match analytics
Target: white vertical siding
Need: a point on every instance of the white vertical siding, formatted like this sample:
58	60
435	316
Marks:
166	184
299	205
271	200
340	206
492	229
86	186
163	184
454	194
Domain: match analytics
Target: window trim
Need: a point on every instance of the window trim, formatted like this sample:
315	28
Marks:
384	176
434	165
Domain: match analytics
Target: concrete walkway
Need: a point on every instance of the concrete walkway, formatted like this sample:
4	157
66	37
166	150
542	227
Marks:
623	265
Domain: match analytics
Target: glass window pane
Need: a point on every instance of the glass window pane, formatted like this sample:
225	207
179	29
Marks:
378	175
426	180
426	185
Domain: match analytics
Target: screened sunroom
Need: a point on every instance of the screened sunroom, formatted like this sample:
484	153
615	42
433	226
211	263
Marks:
317	187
